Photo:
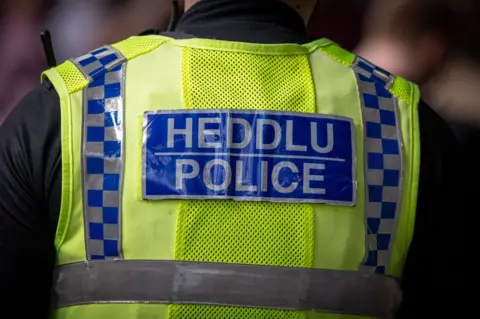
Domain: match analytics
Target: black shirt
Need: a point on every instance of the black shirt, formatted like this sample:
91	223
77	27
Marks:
30	175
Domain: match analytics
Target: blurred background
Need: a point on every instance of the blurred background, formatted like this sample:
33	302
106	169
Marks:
76	26
442	31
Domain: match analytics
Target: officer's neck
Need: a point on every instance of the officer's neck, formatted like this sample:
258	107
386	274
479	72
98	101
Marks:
189	4
245	20
303	7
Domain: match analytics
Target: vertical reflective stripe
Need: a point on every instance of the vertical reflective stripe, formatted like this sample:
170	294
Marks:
103	135
383	163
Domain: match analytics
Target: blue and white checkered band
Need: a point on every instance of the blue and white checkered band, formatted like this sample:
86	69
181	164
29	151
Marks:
383	163
103	135
97	63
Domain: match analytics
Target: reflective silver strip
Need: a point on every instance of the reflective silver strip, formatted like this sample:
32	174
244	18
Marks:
383	163
103	151
176	282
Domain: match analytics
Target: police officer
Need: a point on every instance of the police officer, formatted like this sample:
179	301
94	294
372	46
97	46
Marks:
230	169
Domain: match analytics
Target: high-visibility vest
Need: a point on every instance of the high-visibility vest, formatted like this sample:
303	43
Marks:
215	179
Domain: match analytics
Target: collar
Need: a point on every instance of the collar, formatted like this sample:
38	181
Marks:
254	21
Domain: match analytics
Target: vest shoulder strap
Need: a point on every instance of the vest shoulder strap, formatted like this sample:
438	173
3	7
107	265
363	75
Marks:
79	72
401	88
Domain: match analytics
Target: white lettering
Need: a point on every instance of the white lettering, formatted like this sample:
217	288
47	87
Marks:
239	184
247	129
172	132
202	132
275	177
181	176
261	123
307	178
264	170
314	133
290	145
207	175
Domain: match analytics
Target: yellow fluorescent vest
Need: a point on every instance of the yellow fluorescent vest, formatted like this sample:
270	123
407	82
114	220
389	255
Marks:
124	255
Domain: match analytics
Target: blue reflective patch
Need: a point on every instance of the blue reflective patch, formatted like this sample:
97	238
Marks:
253	156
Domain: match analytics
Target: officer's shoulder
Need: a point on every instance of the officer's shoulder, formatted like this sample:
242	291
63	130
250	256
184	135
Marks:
79	72
401	88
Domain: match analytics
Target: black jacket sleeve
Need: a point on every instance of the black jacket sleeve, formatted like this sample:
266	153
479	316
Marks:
433	277
29	201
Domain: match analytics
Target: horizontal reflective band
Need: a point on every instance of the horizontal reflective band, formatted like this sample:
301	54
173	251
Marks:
176	282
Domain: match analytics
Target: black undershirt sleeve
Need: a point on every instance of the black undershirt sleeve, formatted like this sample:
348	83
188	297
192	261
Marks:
30	179
432	278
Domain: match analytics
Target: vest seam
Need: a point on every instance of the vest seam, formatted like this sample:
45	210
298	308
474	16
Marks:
149	50
334	57
67	168
307	48
413	192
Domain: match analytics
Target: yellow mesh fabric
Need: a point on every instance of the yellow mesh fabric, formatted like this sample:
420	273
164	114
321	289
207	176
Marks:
277	234
135	46
245	233
403	90
74	79
214	312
